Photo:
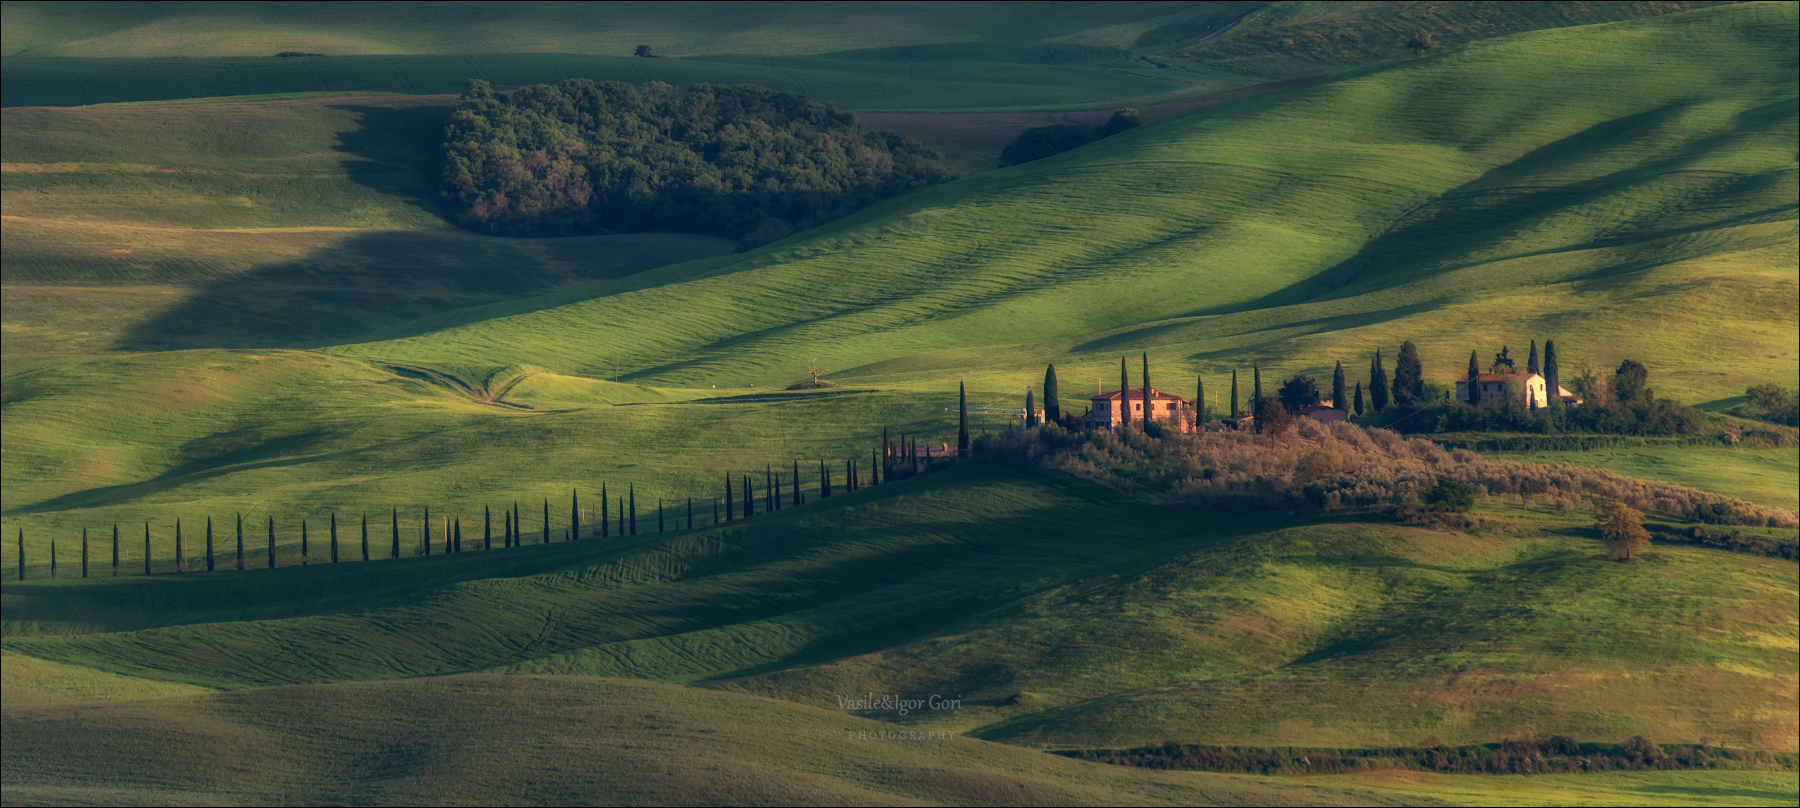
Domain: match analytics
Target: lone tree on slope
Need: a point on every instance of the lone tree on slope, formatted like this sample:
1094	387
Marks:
1622	528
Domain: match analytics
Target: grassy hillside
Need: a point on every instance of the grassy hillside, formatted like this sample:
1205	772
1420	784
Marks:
1446	204
986	75
764	29
1284	39
258	225
557	740
1554	184
1013	590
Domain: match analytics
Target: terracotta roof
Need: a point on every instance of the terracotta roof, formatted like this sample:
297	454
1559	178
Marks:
1312	408
1137	394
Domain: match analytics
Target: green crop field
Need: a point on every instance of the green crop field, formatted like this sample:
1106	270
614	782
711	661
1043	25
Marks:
247	303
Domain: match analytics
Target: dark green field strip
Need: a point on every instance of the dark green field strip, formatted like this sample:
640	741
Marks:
939	77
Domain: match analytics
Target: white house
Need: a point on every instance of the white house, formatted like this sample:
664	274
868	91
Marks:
1533	389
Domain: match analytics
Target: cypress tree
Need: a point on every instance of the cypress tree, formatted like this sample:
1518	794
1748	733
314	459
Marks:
849	477
749	503
777	498
365	537
334	543
1340	390
1124	396
1144	419
874	468
1359	400
452	546
1052	402
913	455
796	483
603	515
1552	380
1256	396
424	529
22	550
272	541
887	457
147	548
632	490
547	521
1200	409
1234	394
1474	389
487	528
209	547
180	550
728	505
506	536
303	554
574	514
457	528
84	552
240	541
116	547
394	521
1531	362
962	420
1378	383
690	513
1409	375
1030	410
52	558
621	517
768	488
824	481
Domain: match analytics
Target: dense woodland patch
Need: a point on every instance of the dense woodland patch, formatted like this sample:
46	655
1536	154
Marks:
743	162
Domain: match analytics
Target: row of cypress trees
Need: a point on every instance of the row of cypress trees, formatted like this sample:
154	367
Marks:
887	465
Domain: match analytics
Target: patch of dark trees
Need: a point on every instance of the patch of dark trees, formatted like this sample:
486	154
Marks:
1553	755
743	162
1039	142
295	54
1734	541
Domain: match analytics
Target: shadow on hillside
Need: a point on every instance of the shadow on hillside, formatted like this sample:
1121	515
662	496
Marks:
397	151
346	287
1509	199
361	283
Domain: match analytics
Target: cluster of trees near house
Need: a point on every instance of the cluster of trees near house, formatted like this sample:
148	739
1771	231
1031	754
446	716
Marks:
1620	402
426	537
742	162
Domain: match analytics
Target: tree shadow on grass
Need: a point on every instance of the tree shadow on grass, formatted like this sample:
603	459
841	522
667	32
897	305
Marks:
344	287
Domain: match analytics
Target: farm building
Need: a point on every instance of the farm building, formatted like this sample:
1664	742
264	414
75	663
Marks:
1108	410
1533	389
1322	412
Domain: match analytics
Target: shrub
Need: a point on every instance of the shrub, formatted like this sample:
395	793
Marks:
1321	464
1457	496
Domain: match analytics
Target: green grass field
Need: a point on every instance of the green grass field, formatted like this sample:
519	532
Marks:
252	306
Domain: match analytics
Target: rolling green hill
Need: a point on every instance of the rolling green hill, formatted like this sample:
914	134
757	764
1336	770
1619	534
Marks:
1511	189
577	740
1556	184
766	29
1284	39
1015	591
254	308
